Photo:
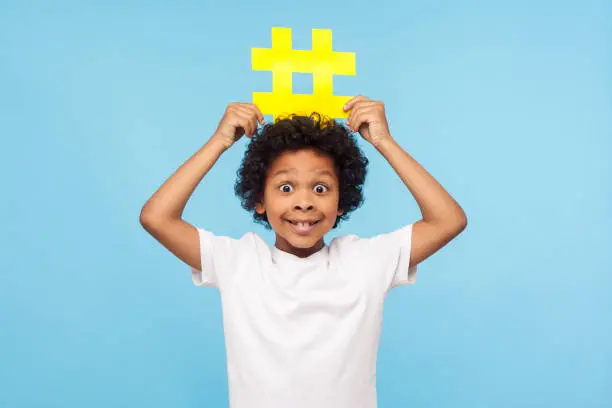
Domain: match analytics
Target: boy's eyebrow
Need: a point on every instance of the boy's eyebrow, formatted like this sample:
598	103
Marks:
321	172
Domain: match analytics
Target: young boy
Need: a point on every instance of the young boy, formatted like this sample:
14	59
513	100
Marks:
302	319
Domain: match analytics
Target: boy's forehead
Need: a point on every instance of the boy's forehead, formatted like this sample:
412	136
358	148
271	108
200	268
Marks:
302	162
294	171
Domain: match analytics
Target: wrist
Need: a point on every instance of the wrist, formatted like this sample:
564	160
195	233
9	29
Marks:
220	142
384	144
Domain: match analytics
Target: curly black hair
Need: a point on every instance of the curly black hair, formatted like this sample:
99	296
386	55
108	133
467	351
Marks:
293	133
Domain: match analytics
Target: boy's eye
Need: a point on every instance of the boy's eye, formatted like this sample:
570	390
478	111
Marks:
319	188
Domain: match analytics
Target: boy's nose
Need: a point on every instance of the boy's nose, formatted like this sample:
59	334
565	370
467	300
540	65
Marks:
303	206
303	202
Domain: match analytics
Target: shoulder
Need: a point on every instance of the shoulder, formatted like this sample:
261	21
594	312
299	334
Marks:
343	240
347	244
252	245
378	243
227	242
354	238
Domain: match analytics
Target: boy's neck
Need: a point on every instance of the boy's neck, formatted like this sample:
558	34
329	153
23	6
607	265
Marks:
285	246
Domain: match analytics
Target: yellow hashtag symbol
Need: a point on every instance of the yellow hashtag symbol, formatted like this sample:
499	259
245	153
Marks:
283	61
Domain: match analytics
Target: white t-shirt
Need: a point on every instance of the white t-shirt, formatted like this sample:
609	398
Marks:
303	332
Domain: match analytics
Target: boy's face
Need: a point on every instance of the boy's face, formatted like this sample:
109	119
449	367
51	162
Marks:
301	186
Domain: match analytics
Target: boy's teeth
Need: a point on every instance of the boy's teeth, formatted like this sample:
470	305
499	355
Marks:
303	224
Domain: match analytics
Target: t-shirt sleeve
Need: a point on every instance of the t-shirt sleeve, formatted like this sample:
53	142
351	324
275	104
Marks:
390	257
218	255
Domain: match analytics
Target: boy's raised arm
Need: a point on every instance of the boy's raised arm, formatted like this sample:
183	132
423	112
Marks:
443	218
162	214
169	201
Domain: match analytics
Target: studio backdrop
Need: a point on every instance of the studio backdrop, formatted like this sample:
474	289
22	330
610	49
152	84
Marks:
506	103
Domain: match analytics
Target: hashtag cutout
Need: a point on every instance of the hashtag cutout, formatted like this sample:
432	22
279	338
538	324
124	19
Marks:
283	61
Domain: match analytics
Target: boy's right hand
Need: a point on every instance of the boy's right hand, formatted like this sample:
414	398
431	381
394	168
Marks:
239	119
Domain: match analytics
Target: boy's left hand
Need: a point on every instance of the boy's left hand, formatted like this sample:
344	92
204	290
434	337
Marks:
368	118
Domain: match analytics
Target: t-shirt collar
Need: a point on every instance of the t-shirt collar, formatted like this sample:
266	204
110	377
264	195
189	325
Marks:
280	256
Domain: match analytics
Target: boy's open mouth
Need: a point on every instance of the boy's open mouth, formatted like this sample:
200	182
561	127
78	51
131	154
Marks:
303	227
303	223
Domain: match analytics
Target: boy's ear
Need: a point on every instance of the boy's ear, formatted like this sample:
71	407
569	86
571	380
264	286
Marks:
340	212
259	208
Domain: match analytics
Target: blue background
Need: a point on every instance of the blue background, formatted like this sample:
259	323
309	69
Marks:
506	104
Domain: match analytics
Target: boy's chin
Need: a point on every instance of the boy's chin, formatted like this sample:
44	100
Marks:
303	242
300	241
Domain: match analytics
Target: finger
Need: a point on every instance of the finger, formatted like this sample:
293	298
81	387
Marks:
362	117
362	105
355	106
249	114
260	116
351	103
256	115
256	112
353	119
253	122
358	108
245	122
